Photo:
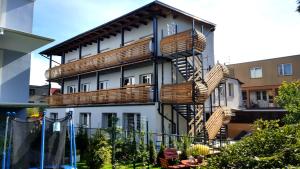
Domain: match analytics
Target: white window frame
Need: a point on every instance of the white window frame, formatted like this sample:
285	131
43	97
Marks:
105	85
131	80
86	123
253	73
148	78
136	121
230	89
73	87
53	115
105	119
280	69
85	87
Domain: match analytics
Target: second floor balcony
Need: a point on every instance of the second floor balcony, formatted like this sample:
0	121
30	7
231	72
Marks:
137	51
129	94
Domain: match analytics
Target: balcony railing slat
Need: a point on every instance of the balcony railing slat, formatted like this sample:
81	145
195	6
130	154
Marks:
128	94
136	51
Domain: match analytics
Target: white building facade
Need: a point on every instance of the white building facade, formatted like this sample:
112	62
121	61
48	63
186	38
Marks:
145	77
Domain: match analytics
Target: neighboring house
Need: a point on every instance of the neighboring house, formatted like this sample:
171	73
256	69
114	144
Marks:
142	66
261	80
16	43
39	94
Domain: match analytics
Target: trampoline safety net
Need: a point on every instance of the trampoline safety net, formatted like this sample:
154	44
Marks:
24	146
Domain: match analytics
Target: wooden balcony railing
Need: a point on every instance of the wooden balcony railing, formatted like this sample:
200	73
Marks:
136	51
182	42
128	94
177	93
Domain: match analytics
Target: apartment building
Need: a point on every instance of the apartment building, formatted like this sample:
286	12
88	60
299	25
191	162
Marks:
16	43
154	64
261	80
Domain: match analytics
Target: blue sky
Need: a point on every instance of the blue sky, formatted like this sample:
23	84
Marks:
246	29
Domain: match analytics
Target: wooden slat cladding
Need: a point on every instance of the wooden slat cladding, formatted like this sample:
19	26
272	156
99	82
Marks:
220	116
214	76
127	94
137	51
177	93
182	42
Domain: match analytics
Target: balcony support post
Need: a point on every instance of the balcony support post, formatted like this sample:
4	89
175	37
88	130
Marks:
122	76
50	66
98	45
188	119
163	123
63	58
79	82
155	53
219	95
62	86
172	121
80	51
177	124
122	37
98	80
225	93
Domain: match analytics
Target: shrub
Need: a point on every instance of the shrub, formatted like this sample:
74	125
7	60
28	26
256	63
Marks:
270	147
152	152
197	150
160	153
142	153
99	152
183	146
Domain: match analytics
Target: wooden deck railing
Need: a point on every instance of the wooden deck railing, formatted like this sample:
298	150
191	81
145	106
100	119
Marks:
177	93
182	42
136	51
128	94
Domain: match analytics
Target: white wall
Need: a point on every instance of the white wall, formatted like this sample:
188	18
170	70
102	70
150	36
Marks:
89	50
72	56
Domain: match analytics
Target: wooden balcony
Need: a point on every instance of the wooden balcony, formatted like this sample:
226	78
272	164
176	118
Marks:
128	94
182	93
134	52
182	43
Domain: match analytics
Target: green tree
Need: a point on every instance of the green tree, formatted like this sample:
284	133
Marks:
152	151
82	141
289	98
99	151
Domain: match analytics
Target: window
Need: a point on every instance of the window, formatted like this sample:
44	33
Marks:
256	72
31	92
244	95
107	119
261	95
258	96
230	90
103	85
71	89
85	119
132	121
54	115
146	79
129	80
85	87
285	69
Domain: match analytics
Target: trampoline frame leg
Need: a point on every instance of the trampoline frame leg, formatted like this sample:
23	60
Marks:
5	141
43	141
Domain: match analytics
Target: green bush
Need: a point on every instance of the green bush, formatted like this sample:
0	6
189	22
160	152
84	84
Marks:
152	152
99	152
270	146
197	150
142	153
160	154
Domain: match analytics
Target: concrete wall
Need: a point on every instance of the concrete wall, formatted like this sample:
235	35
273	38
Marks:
17	14
15	72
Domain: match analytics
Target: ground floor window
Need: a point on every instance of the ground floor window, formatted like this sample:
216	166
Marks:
53	115
107	119
85	120
132	121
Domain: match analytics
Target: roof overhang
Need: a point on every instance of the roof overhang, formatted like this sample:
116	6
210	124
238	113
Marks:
20	41
128	21
22	105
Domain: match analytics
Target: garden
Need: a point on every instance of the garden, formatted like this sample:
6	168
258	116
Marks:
272	144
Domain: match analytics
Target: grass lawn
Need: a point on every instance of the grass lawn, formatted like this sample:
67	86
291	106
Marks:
108	166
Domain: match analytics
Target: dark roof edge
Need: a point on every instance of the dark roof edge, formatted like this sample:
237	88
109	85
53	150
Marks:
114	20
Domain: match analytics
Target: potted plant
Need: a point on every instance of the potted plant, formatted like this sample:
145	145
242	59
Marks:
198	151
